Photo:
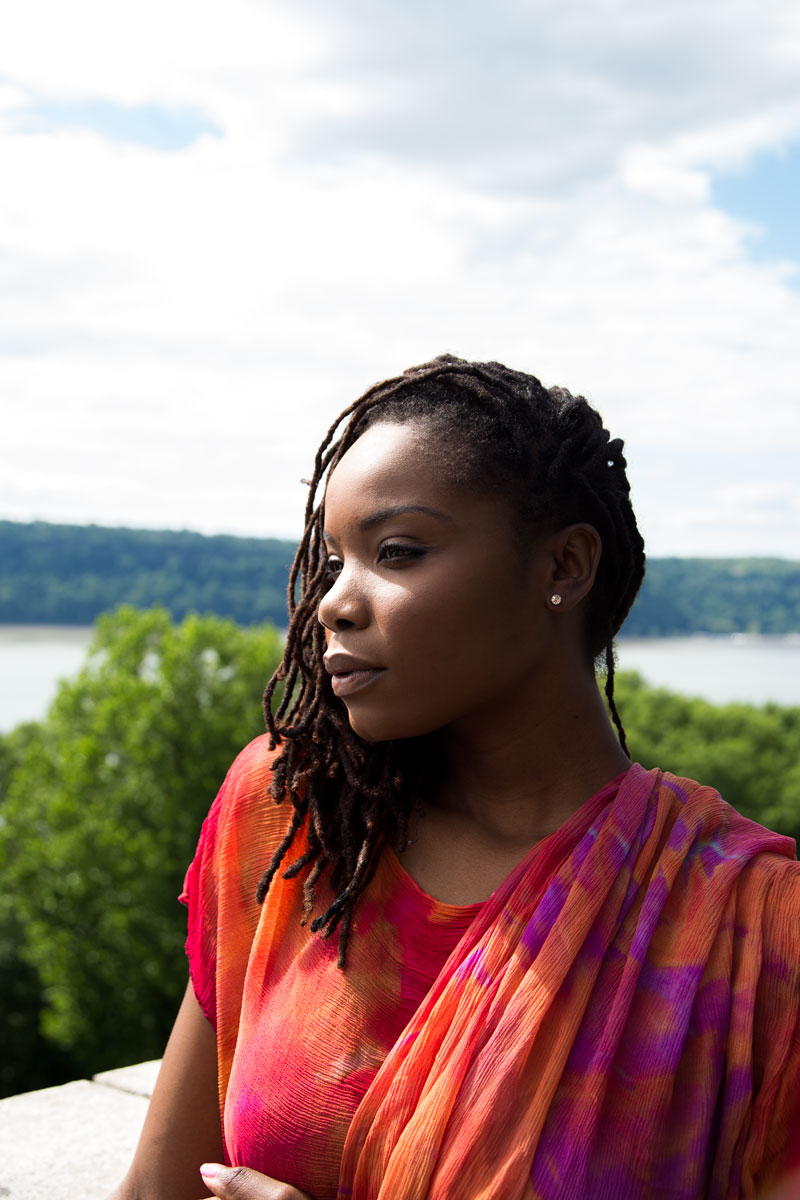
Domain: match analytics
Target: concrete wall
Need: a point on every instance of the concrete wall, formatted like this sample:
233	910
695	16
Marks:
73	1142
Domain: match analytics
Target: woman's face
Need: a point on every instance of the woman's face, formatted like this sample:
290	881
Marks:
435	615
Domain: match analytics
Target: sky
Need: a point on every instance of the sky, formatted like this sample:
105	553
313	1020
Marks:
220	222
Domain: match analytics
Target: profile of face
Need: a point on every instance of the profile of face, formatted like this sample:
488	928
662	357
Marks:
435	616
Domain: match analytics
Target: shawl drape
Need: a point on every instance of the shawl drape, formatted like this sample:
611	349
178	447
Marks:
620	1020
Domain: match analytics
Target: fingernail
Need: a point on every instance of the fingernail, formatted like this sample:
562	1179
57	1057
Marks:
209	1170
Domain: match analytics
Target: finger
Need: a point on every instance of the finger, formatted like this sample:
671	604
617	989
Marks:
242	1183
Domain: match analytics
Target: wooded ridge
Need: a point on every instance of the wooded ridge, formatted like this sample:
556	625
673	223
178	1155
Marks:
68	574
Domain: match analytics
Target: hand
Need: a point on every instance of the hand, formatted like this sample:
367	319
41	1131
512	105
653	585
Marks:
240	1183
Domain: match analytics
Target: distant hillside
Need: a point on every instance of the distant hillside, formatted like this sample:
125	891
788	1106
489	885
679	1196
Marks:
717	595
67	574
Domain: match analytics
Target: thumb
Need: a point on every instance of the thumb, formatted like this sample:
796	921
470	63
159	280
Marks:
242	1183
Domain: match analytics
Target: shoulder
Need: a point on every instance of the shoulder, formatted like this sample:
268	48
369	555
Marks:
723	842
245	824
707	813
246	793
251	770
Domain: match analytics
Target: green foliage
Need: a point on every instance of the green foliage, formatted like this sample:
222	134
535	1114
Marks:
717	595
69	574
27	1059
750	755
101	813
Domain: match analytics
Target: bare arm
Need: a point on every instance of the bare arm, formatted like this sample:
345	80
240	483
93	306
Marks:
182	1127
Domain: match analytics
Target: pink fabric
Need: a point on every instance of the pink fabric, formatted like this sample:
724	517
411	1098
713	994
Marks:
299	1040
621	1019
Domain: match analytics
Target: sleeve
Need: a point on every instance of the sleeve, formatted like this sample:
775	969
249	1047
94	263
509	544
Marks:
238	838
200	895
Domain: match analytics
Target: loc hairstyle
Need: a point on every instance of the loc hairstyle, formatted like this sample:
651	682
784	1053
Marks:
547	452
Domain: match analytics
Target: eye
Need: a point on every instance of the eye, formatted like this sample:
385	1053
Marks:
400	552
333	567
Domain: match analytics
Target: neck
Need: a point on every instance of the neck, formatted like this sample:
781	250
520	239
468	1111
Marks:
521	775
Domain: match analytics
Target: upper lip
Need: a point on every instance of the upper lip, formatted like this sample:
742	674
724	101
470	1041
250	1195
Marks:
338	664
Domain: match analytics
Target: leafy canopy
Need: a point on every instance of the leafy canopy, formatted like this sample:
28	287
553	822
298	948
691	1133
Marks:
101	815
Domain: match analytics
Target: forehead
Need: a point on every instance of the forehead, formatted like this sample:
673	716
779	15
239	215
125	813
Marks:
389	457
403	466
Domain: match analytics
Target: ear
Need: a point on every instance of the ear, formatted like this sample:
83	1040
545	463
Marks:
575	552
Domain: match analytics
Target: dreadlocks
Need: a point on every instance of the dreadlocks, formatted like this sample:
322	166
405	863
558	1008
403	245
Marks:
500	431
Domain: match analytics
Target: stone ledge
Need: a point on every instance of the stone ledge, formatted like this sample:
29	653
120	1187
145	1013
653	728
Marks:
139	1079
76	1140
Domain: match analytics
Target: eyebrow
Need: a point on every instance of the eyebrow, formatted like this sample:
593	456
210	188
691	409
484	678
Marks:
395	510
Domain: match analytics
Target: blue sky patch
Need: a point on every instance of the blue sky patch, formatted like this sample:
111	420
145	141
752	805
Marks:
145	124
767	192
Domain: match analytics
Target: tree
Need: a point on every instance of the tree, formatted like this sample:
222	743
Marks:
749	754
101	814
68	574
27	1059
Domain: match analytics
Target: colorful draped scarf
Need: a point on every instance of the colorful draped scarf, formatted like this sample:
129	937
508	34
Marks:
621	1019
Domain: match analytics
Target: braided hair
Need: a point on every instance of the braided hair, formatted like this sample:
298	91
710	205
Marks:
547	452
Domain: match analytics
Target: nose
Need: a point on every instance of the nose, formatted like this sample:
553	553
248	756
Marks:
344	605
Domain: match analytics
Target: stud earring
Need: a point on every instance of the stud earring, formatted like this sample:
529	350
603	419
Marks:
555	599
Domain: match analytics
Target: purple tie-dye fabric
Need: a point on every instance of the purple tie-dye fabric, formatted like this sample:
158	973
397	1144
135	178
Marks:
621	1020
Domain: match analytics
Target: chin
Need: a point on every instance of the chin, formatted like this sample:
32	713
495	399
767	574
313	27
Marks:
377	731
368	733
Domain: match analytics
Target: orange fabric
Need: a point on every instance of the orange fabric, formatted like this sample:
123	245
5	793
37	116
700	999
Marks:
299	1040
621	1019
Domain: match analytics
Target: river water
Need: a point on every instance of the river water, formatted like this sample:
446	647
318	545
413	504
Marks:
33	658
743	667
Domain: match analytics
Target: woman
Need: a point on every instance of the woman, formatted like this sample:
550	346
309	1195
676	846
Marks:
445	940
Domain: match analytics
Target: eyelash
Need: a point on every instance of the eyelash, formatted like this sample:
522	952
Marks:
397	551
389	552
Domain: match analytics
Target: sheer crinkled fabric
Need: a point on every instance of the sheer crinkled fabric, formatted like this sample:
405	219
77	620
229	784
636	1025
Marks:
621	1019
299	1040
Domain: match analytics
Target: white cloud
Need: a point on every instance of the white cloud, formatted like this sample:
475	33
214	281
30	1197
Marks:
149	51
528	183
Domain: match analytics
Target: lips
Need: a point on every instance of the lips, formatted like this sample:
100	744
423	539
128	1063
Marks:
348	674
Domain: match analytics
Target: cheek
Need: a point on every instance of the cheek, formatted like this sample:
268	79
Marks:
441	648
428	632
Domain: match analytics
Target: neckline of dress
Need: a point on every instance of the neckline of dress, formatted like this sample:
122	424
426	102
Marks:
468	911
